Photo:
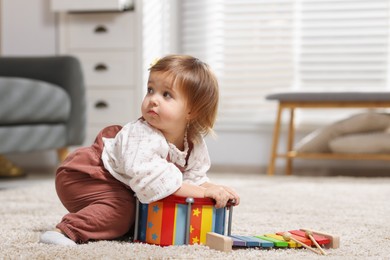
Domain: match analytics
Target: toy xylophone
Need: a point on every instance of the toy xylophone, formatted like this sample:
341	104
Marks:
178	221
310	239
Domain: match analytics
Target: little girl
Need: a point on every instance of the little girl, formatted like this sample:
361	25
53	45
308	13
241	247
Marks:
160	154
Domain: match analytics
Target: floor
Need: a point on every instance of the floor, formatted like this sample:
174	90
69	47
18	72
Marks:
32	177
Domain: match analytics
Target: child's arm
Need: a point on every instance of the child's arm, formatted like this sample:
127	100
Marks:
190	190
220	194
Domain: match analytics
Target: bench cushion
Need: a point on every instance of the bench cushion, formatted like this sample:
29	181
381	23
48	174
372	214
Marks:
319	140
26	101
373	142
330	96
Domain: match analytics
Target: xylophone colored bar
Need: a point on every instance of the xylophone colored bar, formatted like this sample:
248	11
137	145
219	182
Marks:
334	239
250	241
263	243
303	239
276	242
238	242
291	244
321	240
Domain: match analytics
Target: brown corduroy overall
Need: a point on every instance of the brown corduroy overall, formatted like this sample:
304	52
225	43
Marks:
100	207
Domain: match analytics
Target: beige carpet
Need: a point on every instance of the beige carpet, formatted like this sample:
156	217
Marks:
358	209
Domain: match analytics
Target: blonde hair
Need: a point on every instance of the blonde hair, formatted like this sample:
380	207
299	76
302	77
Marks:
199	84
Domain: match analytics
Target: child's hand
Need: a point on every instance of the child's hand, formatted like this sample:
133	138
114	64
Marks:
221	195
233	193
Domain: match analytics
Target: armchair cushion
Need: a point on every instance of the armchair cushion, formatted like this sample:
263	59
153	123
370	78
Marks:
34	137
20	96
54	118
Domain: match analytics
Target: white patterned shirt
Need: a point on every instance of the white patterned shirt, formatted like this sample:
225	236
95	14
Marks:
140	157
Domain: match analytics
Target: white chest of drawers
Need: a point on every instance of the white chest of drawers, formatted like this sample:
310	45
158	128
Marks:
106	44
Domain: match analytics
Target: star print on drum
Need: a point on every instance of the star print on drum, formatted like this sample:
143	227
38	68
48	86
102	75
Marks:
178	221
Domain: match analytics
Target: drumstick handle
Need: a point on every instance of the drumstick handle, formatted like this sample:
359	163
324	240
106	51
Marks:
317	245
304	245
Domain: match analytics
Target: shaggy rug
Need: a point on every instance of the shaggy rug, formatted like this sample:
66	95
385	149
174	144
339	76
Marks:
357	209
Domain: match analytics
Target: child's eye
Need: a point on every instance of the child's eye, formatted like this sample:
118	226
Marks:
167	94
150	91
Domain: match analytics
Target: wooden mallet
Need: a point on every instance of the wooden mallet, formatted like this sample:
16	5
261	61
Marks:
310	235
334	239
287	236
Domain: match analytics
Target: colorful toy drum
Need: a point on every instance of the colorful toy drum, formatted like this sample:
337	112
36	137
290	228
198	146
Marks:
178	220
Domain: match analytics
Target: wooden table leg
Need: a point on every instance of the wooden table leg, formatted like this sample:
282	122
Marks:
8	169
290	141
275	141
62	153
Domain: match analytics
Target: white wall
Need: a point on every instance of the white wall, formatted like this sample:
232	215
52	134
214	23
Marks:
28	28
245	150
248	148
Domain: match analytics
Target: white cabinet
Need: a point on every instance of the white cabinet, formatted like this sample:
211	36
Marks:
90	5
101	30
106	45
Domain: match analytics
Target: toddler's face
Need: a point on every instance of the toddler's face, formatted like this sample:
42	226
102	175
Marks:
164	107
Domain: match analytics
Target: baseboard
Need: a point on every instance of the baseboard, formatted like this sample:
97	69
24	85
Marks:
238	168
305	171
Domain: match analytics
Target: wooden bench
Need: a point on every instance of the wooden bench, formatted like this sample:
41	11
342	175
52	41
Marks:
302	100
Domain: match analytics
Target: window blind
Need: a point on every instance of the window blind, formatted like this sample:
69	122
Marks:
257	47
249	45
344	45
158	32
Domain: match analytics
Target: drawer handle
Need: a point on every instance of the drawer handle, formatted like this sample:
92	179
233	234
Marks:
101	104
101	29
101	67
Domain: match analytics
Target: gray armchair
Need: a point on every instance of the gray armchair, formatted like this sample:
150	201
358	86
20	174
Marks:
42	104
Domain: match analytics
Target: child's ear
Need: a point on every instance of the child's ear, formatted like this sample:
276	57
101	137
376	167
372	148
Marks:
188	117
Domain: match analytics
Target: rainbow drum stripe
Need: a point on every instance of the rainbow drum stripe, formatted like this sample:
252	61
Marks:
164	222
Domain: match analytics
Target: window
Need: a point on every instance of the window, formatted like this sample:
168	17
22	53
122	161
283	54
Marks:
344	44
158	32
257	47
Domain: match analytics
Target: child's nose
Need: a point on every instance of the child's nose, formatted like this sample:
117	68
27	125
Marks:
154	100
